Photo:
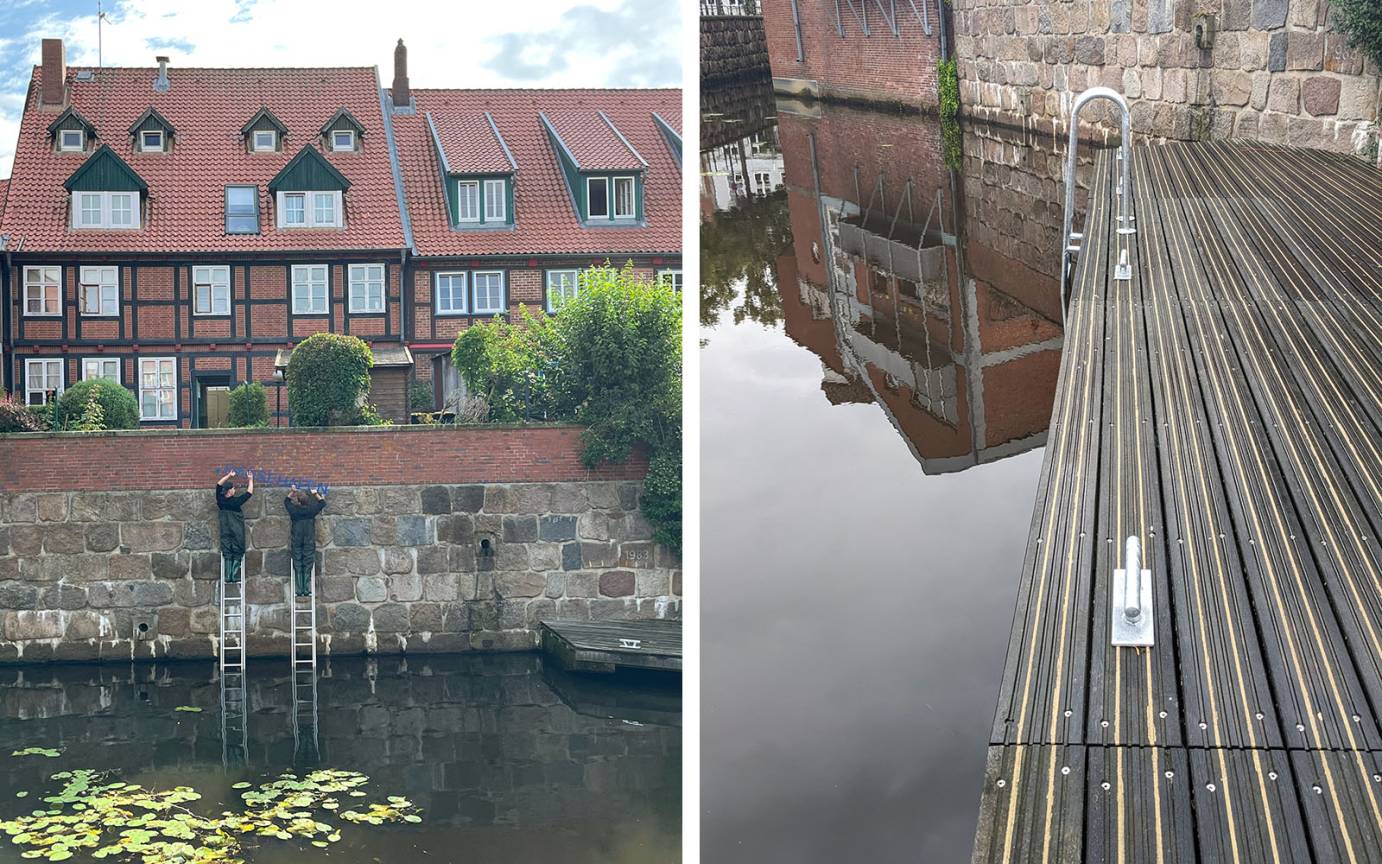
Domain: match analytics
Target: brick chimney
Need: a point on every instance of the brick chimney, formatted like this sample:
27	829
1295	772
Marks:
54	73
402	96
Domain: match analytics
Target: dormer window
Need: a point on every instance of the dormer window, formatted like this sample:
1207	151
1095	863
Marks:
106	194
264	133
604	173
309	192
71	139
342	133
611	197
483	201
114	210
152	132
342	140
309	209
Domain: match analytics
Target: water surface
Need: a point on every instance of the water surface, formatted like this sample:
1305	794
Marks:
880	343
506	760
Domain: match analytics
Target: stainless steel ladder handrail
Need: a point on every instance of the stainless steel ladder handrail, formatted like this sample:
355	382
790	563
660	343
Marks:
1069	238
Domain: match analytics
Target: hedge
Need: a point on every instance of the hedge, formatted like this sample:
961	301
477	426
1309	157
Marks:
118	409
249	405
328	376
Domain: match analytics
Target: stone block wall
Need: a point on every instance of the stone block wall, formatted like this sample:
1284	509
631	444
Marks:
1278	70
732	49
471	559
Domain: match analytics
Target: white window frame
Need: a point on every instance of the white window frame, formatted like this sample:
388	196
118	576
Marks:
614	198
575	287
475	293
673	272
43	283
358	275
62	140
502	198
309	210
104	291
229	215
272	140
144	141
465	293
302	274
216	279
100	364
44	364
173	388
350	140
589	214
460	213
105	211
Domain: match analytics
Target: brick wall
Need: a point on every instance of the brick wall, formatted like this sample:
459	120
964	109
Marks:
878	67
1278	70
187	459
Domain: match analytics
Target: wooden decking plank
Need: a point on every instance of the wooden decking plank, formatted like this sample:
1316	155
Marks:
1246	807
1342	211
1308	324
1042	696
1337	792
1134	695
1224	683
1311	671
1301	414
1032	815
1138	806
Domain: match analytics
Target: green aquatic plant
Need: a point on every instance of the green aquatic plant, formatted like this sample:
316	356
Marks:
128	823
38	751
190	709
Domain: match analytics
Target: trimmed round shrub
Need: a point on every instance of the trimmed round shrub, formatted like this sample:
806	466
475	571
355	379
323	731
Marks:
116	407
15	416
328	376
249	405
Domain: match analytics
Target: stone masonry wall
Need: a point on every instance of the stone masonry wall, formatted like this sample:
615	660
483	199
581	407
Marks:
401	569
1278	70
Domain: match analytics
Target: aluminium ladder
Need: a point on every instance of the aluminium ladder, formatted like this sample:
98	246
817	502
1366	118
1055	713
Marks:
234	725
232	623
303	616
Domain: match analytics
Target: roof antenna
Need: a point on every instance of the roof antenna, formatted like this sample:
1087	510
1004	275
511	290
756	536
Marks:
100	16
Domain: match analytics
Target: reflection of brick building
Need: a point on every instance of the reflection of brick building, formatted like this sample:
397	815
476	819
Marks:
958	343
856	49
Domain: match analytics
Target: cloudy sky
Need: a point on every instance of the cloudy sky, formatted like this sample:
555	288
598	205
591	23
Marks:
511	43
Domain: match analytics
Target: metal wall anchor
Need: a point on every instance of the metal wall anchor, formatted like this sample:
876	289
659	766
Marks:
1123	272
1132	600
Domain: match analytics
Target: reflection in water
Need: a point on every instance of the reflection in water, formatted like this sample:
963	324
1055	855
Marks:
856	608
494	754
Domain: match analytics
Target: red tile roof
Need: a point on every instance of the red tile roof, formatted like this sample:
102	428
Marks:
470	145
207	107
4	189
545	219
593	143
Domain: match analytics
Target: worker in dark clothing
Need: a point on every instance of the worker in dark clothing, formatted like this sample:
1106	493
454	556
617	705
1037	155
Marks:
229	500
303	507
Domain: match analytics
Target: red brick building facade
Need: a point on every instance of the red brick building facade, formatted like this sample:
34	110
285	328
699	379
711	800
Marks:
179	230
856	50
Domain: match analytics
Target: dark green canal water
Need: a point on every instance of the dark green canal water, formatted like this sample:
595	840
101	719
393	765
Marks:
504	760
881	335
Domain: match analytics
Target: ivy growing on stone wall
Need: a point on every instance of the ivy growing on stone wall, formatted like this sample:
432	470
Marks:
948	81
1362	21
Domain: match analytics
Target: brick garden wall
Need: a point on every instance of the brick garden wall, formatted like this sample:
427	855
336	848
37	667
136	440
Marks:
1278	70
434	540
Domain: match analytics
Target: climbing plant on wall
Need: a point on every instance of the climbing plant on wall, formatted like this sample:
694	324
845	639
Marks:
1362	21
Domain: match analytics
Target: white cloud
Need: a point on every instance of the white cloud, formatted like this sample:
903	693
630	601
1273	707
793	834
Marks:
449	44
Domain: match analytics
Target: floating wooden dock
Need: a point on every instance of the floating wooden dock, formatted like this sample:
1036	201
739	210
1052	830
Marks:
1223	406
586	646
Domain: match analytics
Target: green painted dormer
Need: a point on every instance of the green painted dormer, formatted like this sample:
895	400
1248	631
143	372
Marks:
152	133
477	174
342	133
106	194
601	195
264	133
309	171
71	132
309	192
